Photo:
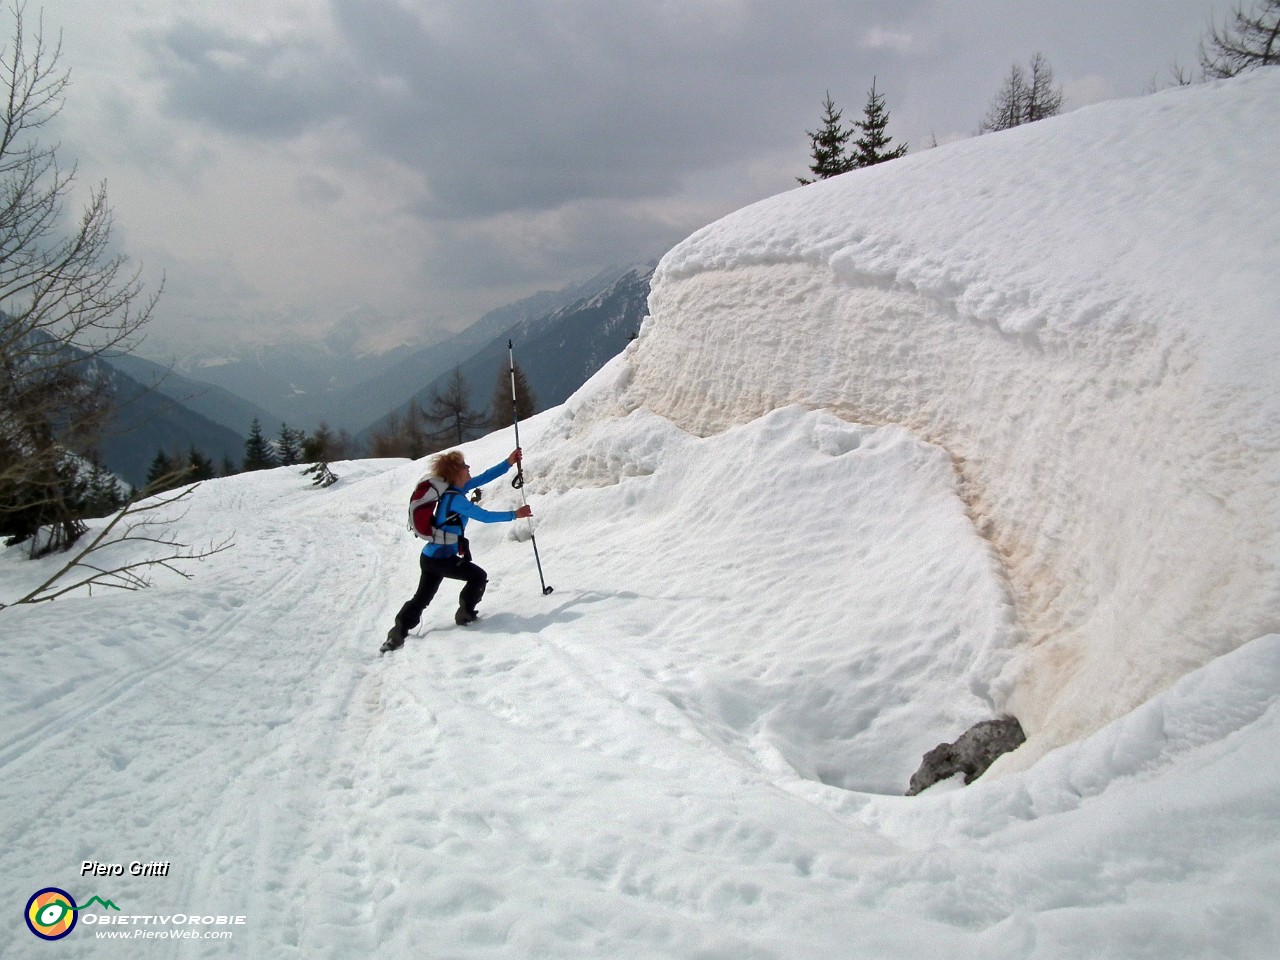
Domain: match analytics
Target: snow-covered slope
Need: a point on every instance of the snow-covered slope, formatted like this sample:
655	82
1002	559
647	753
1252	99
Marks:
1084	314
763	614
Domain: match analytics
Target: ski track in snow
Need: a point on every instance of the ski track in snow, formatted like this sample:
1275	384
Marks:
303	780
639	764
203	710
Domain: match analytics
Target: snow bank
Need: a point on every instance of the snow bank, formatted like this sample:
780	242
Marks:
840	673
1082	313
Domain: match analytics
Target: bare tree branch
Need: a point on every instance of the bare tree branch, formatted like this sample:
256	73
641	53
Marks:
1022	100
130	525
65	299
1249	40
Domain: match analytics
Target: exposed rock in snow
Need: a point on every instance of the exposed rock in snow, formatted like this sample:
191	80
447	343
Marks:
971	755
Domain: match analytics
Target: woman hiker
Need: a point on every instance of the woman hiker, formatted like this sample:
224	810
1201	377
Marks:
448	555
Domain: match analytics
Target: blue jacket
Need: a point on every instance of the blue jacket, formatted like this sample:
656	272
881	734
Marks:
454	501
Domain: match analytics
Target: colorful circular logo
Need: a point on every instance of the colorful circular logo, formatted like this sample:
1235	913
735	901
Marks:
51	913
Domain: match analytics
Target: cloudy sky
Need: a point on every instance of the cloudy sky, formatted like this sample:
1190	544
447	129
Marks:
373	167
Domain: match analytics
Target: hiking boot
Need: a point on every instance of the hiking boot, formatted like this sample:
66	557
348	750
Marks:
465	616
395	639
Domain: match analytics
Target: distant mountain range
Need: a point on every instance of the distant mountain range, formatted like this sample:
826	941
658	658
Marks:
561	338
370	401
306	382
212	402
299	383
151	412
148	421
557	351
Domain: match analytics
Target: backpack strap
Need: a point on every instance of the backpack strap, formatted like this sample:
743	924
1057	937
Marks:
440	536
453	518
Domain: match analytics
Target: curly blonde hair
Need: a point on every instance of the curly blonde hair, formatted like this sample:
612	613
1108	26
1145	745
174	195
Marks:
449	465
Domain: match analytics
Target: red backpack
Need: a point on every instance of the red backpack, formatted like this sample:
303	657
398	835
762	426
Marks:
422	507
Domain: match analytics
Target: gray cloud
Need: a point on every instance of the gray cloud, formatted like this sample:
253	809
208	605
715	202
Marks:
507	105
255	88
494	146
518	106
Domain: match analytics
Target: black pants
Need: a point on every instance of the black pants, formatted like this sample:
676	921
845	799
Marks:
434	571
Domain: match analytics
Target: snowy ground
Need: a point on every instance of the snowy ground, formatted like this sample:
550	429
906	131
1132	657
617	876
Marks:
764	614
692	748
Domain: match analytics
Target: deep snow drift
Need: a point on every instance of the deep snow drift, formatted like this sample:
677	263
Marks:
763	615
1084	314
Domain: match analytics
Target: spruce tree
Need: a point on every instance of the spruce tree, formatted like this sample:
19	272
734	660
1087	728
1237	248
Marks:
873	144
318	446
321	475
258	454
103	495
170	472
161	466
289	446
827	145
199	467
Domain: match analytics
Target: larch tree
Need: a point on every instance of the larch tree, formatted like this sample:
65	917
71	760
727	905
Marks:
450	410
1024	99
501	401
1246	41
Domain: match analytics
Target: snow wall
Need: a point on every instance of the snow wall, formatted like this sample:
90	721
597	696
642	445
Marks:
1085	314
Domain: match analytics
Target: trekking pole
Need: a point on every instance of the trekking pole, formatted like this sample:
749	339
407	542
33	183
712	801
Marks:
518	480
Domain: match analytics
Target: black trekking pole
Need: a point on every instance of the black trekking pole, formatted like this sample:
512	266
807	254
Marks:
518	480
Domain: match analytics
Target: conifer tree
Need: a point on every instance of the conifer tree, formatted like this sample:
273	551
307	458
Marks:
1005	111
1250	40
319	446
161	466
289	446
416	440
1022	100
525	404
404	435
320	474
451	410
873	144
827	145
169	472
1044	99
258	454
103	494
199	467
